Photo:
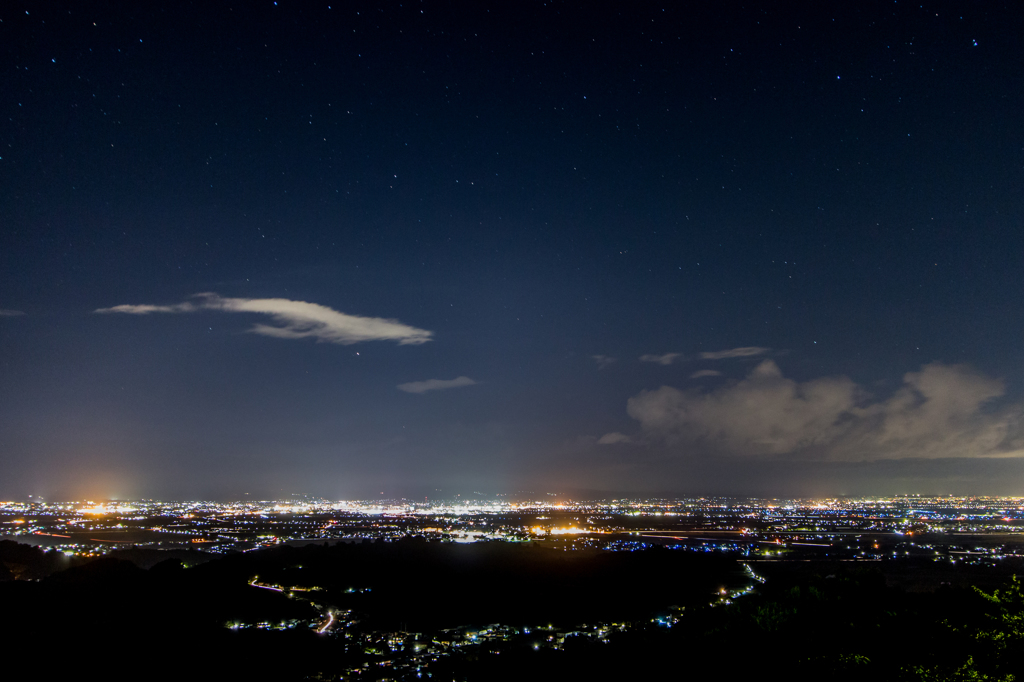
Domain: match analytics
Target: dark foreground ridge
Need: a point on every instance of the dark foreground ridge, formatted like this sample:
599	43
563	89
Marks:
414	609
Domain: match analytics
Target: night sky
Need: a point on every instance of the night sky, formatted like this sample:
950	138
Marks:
425	249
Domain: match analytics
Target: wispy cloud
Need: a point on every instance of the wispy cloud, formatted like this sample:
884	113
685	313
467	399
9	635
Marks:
10	313
614	438
603	360
705	373
940	411
294	319
744	352
666	359
435	384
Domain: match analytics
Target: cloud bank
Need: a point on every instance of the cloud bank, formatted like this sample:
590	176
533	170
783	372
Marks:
744	352
294	319
941	411
10	313
666	359
614	438
435	384
602	360
705	373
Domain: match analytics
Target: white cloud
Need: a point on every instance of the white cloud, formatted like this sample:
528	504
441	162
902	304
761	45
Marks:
705	373
11	313
614	438
602	360
435	384
744	352
941	411
294	319
145	309
666	359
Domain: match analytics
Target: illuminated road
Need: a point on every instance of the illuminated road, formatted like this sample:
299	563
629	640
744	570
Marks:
330	614
330	621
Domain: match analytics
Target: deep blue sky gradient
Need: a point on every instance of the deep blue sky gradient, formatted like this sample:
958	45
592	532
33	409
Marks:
535	183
